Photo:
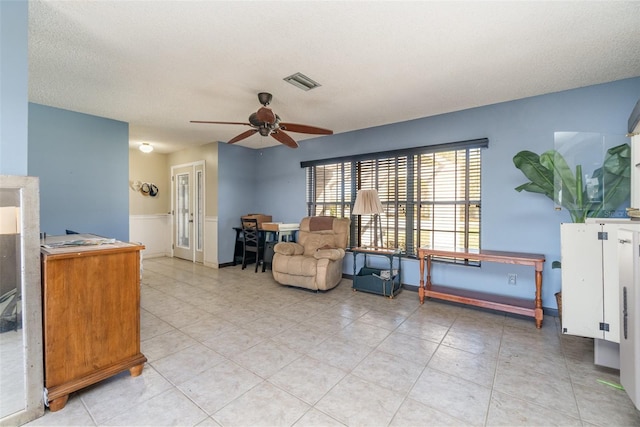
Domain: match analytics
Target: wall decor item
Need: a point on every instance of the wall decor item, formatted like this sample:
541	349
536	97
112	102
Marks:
135	185
149	189
146	188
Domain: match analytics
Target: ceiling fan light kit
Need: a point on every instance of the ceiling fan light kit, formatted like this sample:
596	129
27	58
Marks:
267	123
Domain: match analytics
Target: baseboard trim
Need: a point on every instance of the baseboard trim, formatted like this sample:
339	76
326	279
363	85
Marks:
155	255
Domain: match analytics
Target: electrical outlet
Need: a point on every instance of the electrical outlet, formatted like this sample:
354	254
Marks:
512	278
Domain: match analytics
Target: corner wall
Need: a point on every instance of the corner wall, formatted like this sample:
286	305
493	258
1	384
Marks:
83	163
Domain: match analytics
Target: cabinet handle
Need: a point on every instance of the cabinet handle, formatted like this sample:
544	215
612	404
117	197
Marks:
625	313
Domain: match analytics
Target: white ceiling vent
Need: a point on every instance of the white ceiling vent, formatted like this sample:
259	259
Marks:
301	81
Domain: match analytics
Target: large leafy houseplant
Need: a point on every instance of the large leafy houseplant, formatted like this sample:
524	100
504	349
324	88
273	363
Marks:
549	174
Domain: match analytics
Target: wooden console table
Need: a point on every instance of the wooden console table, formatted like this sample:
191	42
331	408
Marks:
509	305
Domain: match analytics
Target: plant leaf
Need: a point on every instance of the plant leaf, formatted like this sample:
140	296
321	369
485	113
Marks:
617	161
614	183
541	178
554	161
532	188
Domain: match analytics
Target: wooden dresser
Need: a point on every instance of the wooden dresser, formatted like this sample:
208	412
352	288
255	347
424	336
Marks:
91	314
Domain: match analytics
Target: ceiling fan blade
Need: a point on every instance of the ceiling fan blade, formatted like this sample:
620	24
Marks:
284	138
293	127
243	135
221	123
266	115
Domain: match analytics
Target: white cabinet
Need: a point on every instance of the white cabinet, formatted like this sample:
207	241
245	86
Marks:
590	291
629	262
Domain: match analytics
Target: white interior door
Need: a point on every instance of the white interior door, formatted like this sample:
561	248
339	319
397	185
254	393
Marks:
198	210
182	213
188	211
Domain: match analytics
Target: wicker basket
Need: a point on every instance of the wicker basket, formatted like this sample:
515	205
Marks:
559	301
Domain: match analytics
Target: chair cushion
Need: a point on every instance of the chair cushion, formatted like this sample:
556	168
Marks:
319	223
288	248
296	265
315	241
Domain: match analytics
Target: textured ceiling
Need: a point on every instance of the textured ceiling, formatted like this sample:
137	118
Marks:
159	64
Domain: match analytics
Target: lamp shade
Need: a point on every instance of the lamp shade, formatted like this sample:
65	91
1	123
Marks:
367	202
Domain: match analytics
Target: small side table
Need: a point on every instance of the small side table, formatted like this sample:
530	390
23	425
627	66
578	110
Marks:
378	280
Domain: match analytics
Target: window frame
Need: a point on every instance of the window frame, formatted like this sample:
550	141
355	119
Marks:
352	171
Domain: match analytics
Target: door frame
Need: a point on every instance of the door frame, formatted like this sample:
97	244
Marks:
199	214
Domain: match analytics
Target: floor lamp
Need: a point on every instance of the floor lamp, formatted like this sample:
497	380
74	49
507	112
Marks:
368	203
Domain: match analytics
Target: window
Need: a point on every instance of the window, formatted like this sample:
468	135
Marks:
430	195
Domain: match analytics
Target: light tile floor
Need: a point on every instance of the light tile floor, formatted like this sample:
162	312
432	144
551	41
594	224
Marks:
231	347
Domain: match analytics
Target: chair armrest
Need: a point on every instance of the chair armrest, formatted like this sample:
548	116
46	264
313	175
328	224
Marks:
332	254
288	248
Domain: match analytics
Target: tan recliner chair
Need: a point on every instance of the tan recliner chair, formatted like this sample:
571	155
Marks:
315	260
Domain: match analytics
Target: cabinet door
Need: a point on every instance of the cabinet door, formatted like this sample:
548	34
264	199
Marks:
611	289
582	289
91	313
629	263
611	275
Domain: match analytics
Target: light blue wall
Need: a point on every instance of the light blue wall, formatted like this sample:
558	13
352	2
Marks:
13	81
83	165
511	221
237	193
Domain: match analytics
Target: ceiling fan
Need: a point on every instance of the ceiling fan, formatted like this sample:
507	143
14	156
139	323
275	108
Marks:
267	123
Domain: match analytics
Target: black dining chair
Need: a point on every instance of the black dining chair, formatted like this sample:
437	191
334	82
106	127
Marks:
252	242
